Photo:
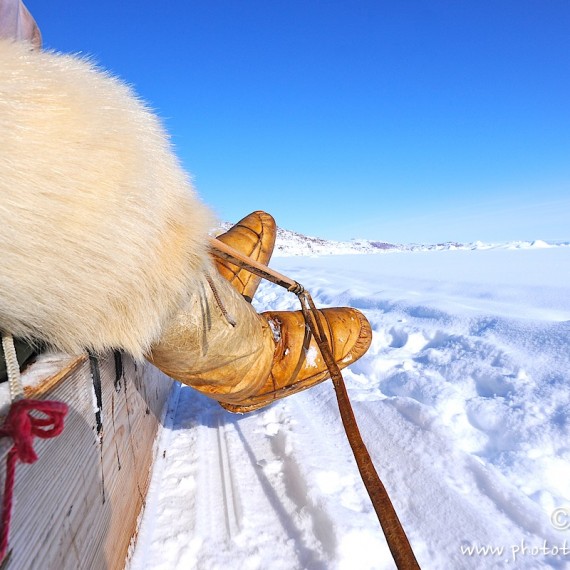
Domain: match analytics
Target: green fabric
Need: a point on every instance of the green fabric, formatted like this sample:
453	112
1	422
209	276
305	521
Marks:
24	351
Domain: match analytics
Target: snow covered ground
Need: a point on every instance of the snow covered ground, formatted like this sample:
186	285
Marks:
463	401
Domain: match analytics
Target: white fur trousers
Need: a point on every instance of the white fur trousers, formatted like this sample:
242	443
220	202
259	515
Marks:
102	237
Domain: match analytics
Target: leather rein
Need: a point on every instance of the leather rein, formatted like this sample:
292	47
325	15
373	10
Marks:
393	531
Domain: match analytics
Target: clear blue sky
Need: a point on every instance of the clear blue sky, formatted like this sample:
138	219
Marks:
400	120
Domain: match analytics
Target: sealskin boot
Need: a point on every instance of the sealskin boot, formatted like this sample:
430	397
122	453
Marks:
253	236
222	347
262	358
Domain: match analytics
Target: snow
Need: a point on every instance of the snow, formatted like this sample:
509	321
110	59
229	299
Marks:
463	401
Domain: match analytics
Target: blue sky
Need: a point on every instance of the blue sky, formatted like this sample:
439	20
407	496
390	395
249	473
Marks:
400	120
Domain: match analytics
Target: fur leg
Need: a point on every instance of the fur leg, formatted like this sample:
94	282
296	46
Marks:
102	237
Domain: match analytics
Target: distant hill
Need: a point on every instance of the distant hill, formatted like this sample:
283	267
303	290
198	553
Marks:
291	243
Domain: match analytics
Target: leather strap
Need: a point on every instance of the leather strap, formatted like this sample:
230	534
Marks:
393	531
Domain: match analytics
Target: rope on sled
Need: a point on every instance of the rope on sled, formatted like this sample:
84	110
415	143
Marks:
393	531
21	425
12	368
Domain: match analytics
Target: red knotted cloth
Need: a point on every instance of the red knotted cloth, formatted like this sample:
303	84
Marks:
22	426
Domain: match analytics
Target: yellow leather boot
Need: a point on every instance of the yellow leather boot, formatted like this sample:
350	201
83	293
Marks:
297	362
221	346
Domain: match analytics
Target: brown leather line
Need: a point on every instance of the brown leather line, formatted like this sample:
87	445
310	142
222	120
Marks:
223	251
222	307
393	531
331	350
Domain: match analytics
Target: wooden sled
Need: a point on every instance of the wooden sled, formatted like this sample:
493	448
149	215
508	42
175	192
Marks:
77	507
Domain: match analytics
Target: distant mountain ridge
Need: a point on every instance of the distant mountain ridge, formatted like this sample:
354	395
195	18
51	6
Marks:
291	243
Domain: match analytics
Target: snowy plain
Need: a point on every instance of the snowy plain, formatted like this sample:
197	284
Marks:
463	401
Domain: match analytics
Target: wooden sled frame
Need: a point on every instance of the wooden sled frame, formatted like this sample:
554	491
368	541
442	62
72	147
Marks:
78	506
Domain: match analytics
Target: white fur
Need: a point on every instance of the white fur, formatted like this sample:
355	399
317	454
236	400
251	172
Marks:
101	235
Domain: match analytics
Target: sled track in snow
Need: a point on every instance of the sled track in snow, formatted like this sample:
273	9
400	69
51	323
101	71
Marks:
232	507
236	486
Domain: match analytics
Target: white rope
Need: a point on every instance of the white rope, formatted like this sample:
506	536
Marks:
12	367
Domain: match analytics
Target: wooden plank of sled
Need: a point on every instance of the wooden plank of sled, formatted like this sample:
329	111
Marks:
40	378
53	371
77	506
